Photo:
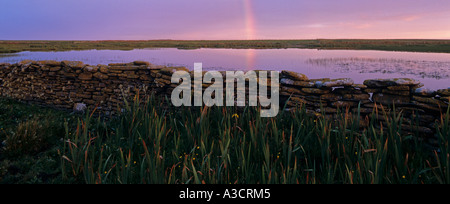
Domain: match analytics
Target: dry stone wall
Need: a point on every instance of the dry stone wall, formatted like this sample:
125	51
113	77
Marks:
76	86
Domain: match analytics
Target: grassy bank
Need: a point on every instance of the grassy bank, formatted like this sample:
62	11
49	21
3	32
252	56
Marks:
149	144
442	46
29	139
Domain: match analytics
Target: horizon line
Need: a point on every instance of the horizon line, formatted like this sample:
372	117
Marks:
243	39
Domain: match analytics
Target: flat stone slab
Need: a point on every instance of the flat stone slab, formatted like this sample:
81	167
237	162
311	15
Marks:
73	64
381	83
124	68
334	82
294	75
292	82
140	63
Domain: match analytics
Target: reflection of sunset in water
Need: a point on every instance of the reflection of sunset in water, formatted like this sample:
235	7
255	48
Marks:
251	59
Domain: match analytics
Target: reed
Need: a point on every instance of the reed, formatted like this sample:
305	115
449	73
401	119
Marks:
223	145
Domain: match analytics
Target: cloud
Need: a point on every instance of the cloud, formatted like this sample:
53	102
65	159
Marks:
411	18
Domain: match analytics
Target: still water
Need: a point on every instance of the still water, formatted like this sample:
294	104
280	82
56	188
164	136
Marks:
432	69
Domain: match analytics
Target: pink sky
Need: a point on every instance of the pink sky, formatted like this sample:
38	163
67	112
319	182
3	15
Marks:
222	19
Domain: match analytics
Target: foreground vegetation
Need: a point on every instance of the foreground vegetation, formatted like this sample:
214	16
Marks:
442	46
150	144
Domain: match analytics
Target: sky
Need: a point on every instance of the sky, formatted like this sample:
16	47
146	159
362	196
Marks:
223	19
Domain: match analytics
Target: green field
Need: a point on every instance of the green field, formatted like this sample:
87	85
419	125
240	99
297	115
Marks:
441	46
218	145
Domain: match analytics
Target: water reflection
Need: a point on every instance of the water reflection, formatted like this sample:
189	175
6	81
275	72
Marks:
432	69
419	68
251	59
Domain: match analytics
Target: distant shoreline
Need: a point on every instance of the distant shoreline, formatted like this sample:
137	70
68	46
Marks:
406	45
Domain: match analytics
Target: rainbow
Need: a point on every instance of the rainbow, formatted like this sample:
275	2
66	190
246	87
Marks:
249	20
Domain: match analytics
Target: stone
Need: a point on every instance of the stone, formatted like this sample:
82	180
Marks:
25	63
340	104
372	90
357	97
360	86
305	84
291	90
369	105
443	92
382	83
388	99
282	93
424	92
132	76
331	97
129	72
83	95
401	93
316	103
347	90
294	75
364	110
103	69
287	81
139	63
293	101
155	67
54	69
426	106
334	82
145	77
398	88
406	82
420	129
430	101
92	69
445	99
50	63
85	76
171	70
119	64
89	101
143	68
315	91
99	98
162	81
100	75
326	110
427	118
73	64
417	86
365	101
79	107
124	68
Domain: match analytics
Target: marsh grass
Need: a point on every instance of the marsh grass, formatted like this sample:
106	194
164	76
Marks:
411	45
225	145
